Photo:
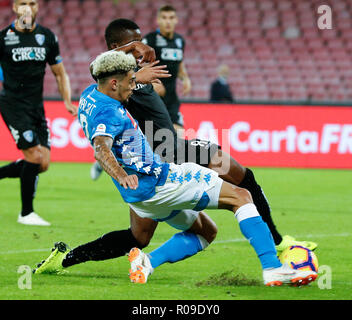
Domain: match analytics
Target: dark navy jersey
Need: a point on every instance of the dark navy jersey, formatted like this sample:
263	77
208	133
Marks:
23	58
170	52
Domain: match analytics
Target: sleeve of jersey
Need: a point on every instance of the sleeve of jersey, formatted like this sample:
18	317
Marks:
54	56
107	123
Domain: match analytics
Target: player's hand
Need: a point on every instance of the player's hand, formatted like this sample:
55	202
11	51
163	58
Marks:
142	52
187	86
151	72
130	181
71	108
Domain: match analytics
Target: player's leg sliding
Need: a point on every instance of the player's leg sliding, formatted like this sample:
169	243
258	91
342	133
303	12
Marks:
111	245
261	202
257	232
181	246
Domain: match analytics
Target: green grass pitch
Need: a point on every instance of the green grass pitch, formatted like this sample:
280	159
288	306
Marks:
308	204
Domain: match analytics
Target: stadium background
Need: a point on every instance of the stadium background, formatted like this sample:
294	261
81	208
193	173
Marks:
292	82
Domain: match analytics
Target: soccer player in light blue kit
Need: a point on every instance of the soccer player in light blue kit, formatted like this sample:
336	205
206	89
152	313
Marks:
166	192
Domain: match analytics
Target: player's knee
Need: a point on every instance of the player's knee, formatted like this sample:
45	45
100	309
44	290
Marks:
44	166
213	231
241	197
34	156
208	228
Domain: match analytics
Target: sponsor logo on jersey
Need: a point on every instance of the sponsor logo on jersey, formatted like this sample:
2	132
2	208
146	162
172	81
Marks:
40	39
160	41
171	54
11	38
29	54
140	86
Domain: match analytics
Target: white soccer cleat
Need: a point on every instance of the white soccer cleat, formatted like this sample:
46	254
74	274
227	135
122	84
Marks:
286	275
96	171
141	267
32	219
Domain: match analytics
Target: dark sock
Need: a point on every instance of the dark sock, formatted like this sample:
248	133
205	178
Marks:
29	176
260	202
12	170
111	245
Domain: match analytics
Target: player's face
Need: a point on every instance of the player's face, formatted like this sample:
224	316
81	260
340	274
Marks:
167	21
26	11
125	87
129	36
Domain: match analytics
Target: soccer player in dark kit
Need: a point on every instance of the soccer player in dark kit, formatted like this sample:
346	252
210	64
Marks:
169	48
25	49
145	105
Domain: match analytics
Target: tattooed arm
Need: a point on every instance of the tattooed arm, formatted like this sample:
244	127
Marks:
104	155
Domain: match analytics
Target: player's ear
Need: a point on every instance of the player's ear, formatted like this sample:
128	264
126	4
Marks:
113	84
14	7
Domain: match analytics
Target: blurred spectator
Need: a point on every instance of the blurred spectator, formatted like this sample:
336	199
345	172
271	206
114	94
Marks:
220	90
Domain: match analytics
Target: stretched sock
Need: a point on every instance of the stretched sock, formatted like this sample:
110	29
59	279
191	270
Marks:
111	245
12	170
260	202
181	246
29	180
257	232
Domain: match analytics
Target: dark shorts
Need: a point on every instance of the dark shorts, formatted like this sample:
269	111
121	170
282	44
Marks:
28	126
196	151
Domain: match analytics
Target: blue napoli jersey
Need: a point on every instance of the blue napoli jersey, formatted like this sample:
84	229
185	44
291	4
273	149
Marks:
100	115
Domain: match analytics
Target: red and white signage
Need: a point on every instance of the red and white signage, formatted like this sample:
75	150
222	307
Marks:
277	136
255	135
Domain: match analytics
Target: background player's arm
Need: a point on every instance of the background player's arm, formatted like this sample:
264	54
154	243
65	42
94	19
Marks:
159	88
186	81
63	83
105	157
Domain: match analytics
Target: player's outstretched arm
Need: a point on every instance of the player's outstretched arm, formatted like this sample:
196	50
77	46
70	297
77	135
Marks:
64	86
104	155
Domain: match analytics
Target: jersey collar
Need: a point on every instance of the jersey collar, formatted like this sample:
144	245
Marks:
13	26
106	98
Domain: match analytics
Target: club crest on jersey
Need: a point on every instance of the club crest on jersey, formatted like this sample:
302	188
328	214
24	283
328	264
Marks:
40	39
101	128
28	135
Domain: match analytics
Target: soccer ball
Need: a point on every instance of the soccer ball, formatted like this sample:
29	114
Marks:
300	258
